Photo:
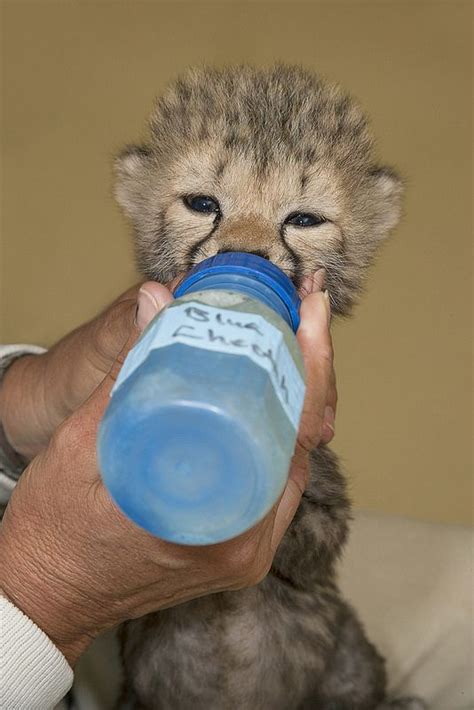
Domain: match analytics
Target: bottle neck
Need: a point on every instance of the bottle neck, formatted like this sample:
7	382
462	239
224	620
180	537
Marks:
254	286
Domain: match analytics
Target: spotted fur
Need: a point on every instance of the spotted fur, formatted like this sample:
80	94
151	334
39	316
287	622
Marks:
264	144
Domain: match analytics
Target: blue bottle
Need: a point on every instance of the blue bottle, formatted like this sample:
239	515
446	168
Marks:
196	443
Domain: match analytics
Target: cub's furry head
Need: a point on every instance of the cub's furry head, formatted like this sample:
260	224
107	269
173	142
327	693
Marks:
272	161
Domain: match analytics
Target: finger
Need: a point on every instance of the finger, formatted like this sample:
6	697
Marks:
328	431
312	282
152	297
316	346
315	341
105	336
286	509
277	521
321	396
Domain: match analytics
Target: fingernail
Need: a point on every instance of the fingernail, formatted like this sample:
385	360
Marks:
147	308
329	419
319	279
327	303
313	282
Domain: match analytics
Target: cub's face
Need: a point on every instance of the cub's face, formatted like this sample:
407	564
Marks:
273	162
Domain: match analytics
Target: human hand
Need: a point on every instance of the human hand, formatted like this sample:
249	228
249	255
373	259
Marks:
319	408
39	391
77	566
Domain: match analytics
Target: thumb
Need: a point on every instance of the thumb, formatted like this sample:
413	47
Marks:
151	299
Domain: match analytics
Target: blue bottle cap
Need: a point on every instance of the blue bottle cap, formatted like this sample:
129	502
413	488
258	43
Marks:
254	266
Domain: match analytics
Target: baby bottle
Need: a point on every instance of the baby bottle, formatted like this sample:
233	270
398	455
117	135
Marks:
196	442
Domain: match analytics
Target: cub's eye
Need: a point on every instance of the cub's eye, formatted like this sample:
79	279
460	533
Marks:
202	203
301	219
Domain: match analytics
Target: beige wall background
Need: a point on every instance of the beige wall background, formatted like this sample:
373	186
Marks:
78	82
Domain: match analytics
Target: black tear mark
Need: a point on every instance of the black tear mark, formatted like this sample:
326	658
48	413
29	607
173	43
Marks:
195	247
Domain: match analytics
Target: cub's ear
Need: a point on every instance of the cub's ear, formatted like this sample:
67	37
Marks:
387	191
131	170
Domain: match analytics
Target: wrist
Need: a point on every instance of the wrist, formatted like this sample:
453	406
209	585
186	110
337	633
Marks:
41	587
68	640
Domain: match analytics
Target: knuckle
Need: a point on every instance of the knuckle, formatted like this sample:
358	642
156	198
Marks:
110	329
308	440
242	561
260	572
260	557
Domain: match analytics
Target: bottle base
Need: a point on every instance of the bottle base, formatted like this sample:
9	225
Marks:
198	477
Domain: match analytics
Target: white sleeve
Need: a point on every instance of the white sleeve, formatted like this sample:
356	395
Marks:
11	464
33	672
